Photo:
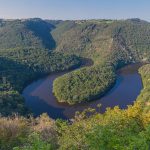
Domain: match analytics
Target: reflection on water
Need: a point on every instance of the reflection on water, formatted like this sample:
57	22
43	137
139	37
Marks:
40	99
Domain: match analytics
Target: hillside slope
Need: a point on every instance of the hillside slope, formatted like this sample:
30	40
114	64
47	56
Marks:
36	47
32	48
26	33
25	55
114	43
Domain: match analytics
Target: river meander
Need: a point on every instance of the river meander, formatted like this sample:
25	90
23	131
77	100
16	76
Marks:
40	99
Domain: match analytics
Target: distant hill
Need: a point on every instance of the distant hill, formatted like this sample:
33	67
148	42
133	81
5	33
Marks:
26	33
129	38
84	37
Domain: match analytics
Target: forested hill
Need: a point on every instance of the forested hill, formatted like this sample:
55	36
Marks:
26	53
26	33
110	42
31	48
84	37
103	37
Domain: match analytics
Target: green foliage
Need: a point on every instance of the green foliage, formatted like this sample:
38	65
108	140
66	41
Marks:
14	131
61	28
33	33
145	93
84	84
115	129
116	43
28	134
12	102
18	67
104	138
35	143
23	58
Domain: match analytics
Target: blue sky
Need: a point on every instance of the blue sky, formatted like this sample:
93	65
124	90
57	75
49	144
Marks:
75	9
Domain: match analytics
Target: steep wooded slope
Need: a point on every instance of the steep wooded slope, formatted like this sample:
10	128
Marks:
43	46
25	55
114	43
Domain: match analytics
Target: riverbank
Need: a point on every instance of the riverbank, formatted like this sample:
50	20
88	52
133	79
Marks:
39	96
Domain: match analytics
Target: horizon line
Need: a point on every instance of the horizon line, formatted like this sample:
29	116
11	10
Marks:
72	19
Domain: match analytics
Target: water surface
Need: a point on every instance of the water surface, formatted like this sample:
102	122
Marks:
40	99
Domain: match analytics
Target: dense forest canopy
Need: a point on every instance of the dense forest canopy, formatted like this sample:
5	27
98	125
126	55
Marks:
116	129
32	48
25	54
113	43
84	84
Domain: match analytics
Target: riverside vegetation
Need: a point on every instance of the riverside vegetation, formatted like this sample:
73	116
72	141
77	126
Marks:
115	129
110	44
84	84
22	62
32	48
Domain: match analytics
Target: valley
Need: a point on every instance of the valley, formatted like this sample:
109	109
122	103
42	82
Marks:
46	46
40	98
51	99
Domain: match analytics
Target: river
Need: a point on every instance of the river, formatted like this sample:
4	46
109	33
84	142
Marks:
40	99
